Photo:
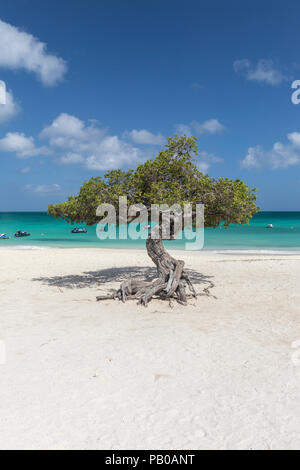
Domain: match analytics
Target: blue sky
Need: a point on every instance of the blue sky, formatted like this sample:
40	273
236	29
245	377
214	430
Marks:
94	85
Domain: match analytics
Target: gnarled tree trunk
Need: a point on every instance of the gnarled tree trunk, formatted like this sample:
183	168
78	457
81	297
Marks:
170	284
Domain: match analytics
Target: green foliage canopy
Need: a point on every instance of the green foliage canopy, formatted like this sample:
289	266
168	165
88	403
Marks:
170	178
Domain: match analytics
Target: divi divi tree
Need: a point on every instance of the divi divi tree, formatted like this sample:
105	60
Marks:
172	178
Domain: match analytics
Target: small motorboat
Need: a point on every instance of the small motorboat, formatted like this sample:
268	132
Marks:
21	233
79	230
270	226
3	236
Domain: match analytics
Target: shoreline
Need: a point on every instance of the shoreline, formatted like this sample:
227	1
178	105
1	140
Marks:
179	252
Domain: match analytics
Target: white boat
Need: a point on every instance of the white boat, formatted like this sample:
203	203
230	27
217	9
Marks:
270	226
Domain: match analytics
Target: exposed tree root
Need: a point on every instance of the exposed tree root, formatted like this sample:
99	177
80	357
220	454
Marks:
170	285
132	290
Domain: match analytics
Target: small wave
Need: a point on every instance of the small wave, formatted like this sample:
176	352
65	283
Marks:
258	252
24	247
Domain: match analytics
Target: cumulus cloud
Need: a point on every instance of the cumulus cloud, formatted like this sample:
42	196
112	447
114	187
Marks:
21	146
183	129
111	153
43	188
205	159
69	132
9	109
88	144
146	137
72	141
294	138
76	142
66	131
280	156
71	158
211	126
263	72
21	50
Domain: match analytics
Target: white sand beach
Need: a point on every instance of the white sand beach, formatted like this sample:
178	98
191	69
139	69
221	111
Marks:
218	374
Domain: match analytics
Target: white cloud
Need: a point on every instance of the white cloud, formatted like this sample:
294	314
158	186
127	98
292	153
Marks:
9	109
263	72
69	132
21	50
205	159
72	141
113	153
21	146
254	158
280	156
183	129
71	158
65	131
294	138
78	143
241	65
145	137
211	126
203	167
43	188
88	144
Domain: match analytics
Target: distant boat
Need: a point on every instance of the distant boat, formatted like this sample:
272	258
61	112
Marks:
3	236
270	226
21	233
79	230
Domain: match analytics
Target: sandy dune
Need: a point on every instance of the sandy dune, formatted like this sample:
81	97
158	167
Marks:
218	374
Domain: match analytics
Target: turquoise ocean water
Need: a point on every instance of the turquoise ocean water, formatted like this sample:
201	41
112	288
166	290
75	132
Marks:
48	232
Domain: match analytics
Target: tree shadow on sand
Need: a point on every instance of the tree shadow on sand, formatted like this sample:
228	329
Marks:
97	278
